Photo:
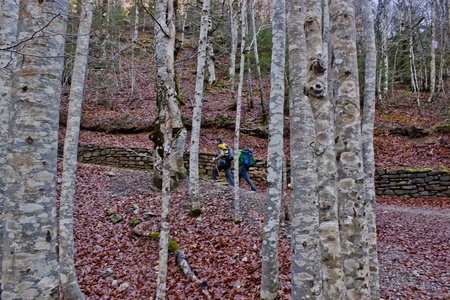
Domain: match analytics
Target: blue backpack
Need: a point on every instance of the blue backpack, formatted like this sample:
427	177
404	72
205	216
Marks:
247	158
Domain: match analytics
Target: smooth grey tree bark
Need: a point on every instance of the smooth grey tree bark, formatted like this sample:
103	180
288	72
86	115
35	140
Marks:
385	52
325	47
350	180
167	15
237	212
9	15
210	67
412	57
133	43
30	270
234	40
305	258
68	277
433	51
367	145
195	208
258	67
178	171
322	108
269	274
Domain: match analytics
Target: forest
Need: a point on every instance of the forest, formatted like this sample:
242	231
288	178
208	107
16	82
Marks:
343	103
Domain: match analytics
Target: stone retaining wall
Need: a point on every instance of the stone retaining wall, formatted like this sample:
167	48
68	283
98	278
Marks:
412	183
402	183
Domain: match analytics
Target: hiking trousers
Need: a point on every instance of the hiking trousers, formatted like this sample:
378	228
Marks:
243	172
223	166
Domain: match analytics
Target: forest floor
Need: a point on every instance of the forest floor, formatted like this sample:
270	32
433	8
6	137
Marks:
113	263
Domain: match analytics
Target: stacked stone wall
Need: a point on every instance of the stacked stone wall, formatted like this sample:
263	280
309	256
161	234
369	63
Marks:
402	183
413	183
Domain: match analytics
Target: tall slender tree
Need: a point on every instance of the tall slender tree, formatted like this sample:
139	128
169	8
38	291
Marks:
305	257
350	180
433	51
133	42
9	14
30	270
166	15
234	40
237	213
68	276
197	113
210	66
257	63
269	276
322	108
367	145
178	172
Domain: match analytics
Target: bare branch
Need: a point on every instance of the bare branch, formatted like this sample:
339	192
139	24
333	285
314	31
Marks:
32	37
154	19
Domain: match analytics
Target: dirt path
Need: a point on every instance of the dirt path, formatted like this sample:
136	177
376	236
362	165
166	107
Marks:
413	235
414	252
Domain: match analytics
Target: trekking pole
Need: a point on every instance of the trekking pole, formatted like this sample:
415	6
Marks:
218	172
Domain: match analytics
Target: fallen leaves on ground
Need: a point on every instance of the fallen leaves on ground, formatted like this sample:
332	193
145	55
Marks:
112	263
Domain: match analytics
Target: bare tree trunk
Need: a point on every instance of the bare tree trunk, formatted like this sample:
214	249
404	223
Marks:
385	63
234	40
384	66
249	89
269	274
195	209
210	68
168	13
348	149
68	276
305	260
433	51
9	15
258	68
178	171
133	42
237	211
444	37
183	25
325	47
367	146
284	200
322	108
412	59
30	270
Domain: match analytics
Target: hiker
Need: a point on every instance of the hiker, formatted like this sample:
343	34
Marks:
244	164
224	157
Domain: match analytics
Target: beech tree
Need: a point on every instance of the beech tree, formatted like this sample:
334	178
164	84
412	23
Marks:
234	40
269	273
305	259
30	270
178	171
258	67
367	145
165	44
322	108
197	113
350	179
68	276
9	14
433	51
237	214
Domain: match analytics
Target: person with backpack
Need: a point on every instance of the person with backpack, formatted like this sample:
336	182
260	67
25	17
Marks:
224	158
246	160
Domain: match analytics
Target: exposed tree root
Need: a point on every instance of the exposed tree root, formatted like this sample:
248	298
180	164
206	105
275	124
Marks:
179	257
